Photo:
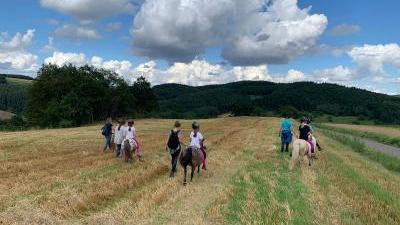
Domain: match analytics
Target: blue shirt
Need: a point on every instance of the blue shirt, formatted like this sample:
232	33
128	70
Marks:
286	125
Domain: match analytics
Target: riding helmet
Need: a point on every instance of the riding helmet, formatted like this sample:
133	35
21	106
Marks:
195	125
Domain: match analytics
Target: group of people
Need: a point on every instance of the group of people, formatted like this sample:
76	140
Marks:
173	144
124	131
305	132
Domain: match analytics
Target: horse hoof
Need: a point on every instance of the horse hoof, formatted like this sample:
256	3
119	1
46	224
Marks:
184	183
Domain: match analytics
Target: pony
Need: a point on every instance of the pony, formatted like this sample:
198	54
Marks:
193	157
302	148
129	147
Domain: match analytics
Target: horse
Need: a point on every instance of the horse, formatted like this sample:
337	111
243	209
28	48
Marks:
193	157
302	148
128	148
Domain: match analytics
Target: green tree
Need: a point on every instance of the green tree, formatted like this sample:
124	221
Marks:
145	99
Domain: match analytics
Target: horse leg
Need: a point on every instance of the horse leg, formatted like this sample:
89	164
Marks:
198	169
192	173
184	175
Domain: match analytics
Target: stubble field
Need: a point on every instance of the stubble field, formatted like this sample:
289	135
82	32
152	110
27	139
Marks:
60	176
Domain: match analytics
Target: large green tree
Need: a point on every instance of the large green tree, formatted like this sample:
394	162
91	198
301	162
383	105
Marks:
70	96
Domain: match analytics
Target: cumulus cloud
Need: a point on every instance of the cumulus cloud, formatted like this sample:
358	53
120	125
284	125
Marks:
61	58
336	74
90	9
73	32
345	29
197	72
373	58
14	54
250	32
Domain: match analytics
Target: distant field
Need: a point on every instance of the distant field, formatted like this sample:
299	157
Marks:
5	115
61	177
16	81
385	130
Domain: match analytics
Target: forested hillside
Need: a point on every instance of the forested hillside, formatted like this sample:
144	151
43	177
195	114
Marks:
252	98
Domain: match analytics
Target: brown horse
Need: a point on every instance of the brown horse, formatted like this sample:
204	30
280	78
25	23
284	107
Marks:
128	148
192	157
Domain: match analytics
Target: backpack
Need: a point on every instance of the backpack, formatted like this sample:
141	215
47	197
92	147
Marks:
173	140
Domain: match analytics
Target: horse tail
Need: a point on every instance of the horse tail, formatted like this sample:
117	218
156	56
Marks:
127	149
295	154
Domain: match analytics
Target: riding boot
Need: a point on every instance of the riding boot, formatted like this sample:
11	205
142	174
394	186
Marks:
287	148
282	147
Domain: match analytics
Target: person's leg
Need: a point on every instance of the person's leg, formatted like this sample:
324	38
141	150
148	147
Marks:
118	151
205	158
287	147
108	142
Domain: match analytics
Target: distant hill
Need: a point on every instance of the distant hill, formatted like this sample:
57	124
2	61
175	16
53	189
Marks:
16	76
13	92
254	97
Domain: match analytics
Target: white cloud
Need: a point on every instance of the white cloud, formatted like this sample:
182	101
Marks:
336	74
251	32
291	76
76	33
373	58
89	9
61	58
49	47
345	29
197	72
14	54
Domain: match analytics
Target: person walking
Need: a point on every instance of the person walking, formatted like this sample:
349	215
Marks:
174	145
106	131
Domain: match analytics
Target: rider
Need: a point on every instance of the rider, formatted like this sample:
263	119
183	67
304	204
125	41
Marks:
285	133
197	140
131	135
305	134
312	131
174	145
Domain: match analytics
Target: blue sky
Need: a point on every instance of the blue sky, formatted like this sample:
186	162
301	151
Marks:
354	43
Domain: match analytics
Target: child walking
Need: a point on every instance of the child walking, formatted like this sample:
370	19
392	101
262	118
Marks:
120	133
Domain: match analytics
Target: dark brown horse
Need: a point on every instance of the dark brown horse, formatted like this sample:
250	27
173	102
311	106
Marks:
192	157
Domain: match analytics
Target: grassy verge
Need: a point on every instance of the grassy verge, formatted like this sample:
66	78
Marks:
266	192
395	141
389	162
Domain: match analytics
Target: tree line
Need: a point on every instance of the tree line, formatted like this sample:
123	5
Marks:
71	96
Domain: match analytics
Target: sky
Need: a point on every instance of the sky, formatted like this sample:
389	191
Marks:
199	42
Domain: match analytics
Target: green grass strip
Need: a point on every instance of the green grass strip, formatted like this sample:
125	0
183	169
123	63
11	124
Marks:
291	190
395	141
387	161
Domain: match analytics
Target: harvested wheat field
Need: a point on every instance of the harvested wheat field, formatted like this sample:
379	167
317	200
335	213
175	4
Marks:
60	176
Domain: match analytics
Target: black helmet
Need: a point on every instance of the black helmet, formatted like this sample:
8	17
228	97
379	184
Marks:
303	119
195	125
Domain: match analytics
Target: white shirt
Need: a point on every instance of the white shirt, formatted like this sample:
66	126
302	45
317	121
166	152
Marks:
195	141
130	134
119	134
